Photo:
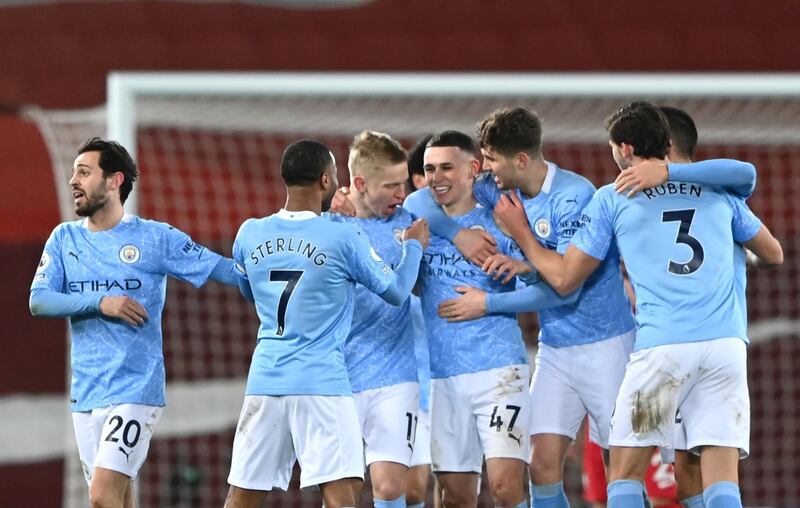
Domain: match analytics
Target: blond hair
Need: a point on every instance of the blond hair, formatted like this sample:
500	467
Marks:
371	151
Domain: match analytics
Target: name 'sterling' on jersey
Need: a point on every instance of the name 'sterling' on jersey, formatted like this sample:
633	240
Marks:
291	245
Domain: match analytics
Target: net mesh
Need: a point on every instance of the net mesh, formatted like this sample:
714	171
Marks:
208	163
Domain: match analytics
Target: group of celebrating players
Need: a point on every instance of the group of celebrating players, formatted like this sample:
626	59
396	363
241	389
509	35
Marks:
337	377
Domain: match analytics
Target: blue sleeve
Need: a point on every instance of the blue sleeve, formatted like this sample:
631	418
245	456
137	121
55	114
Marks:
364	265
186	260
421	203
535	297
596	232
239	265
735	176
405	274
50	272
246	290
225	272
485	190
745	224
47	303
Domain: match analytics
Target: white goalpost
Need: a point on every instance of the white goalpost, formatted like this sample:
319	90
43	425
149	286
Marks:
209	145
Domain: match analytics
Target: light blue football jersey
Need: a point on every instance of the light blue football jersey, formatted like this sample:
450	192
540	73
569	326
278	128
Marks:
303	271
380	348
677	243
113	362
602	309
751	224
469	346
422	353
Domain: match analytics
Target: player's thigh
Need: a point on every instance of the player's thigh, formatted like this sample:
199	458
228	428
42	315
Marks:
345	492
506	474
502	411
422	441
125	437
600	368
656	379
555	404
87	436
717	410
327	438
109	488
455	444
263	454
390	420
459	489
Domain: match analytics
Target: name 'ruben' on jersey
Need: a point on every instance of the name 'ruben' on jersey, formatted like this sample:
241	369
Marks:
302	269
676	240
602	309
380	348
469	346
113	362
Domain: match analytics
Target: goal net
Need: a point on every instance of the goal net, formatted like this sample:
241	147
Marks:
209	147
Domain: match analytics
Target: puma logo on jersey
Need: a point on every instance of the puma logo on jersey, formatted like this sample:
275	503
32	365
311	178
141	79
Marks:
127	454
73	255
515	438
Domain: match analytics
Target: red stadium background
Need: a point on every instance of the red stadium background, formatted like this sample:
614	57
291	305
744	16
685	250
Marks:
58	55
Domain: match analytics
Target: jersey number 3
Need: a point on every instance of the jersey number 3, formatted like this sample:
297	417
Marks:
685	217
290	277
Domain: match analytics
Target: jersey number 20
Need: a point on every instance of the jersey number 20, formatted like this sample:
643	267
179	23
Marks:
290	277
685	217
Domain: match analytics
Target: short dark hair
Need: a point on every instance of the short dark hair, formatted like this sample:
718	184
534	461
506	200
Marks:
511	130
682	130
417	155
641	125
113	159
456	139
304	161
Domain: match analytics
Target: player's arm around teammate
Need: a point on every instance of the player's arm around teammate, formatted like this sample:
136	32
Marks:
679	314
479	406
739	178
298	403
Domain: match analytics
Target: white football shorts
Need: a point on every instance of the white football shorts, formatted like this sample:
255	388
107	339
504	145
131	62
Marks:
389	421
322	433
703	385
569	382
115	437
479	414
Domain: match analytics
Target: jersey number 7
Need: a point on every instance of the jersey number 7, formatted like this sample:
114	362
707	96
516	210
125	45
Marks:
290	277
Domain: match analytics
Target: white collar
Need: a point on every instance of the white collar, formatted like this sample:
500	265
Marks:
548	179
126	217
303	215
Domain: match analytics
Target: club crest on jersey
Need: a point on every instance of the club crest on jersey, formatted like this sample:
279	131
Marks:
129	254
398	235
542	228
44	262
478	227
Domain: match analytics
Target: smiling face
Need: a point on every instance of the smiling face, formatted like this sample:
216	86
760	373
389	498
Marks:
502	167
449	172
90	188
